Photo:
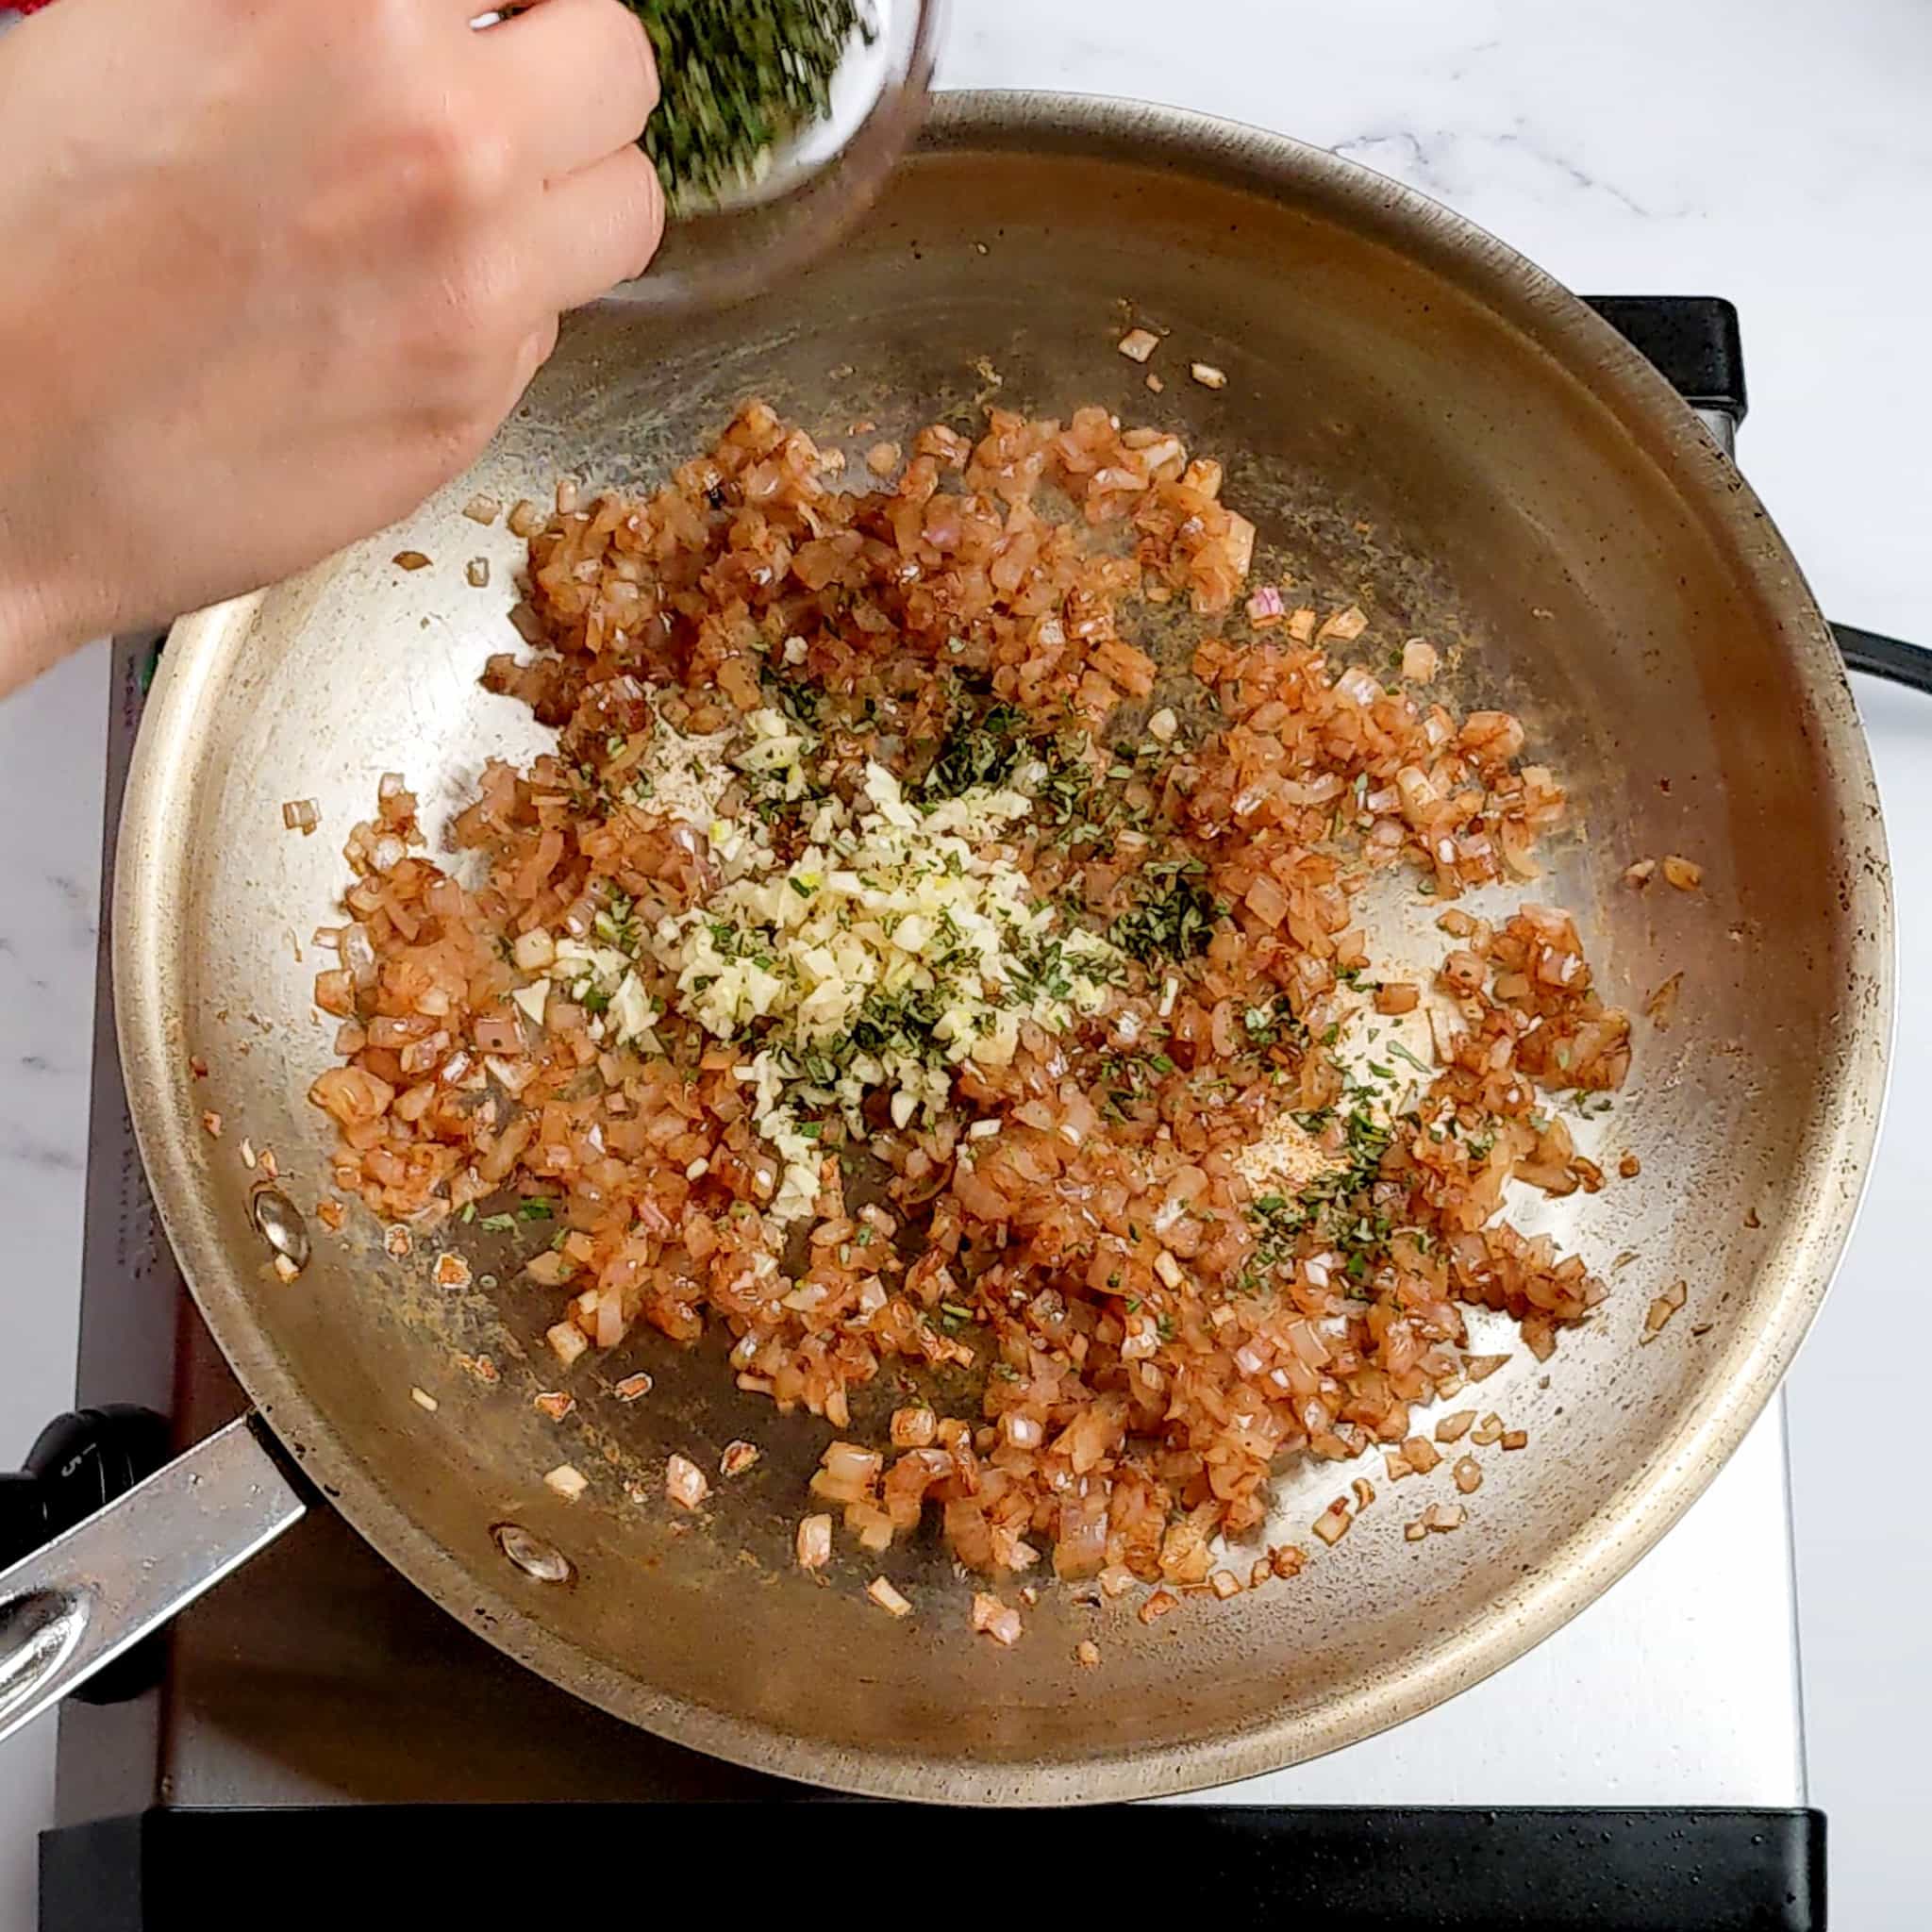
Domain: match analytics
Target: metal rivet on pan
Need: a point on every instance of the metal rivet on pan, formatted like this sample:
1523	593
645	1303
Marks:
531	1554
280	1222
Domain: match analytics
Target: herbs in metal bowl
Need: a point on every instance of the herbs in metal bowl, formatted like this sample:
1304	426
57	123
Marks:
741	78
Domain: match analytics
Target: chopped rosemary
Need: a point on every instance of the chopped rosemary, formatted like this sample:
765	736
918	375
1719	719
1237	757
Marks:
982	750
1173	922
738	78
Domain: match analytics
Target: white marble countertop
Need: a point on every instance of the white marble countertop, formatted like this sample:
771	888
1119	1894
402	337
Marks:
1778	152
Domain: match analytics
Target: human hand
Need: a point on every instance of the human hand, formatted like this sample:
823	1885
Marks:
270	273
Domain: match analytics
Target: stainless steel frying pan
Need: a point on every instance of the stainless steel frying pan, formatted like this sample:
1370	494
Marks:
1415	416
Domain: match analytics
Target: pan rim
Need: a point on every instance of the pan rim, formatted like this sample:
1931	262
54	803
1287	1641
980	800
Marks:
1607	1544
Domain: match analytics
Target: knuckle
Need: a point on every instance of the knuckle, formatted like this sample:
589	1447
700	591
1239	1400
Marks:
463	409
614	36
450	443
640	212
650	224
631	26
542	344
486	166
450	165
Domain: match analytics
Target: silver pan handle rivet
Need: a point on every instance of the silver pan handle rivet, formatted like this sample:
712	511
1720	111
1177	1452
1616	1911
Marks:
531	1554
280	1222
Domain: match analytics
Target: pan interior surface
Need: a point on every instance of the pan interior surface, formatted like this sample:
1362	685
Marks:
1417	422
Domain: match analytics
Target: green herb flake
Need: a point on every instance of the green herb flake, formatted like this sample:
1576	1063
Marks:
740	78
984	748
1173	921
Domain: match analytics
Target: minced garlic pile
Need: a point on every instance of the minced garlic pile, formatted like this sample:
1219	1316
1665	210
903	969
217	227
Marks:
902	941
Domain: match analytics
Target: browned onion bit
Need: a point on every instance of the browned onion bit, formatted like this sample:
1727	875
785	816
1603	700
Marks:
1154	1263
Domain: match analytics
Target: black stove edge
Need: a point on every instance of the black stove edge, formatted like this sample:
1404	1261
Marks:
1349	1869
1693	341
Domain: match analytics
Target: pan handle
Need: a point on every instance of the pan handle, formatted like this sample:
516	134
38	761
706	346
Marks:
1694	344
71	1608
1887	658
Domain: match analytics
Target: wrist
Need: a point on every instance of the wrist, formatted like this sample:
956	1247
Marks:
48	514
41	621
49	527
